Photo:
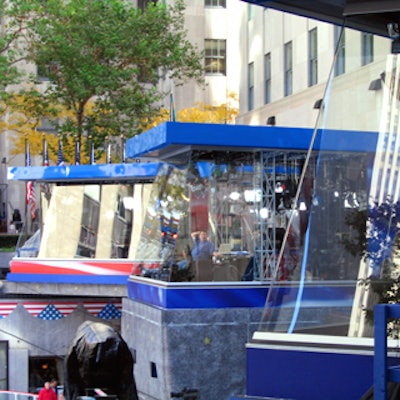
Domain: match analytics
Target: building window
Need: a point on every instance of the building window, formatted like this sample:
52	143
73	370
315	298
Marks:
250	12
215	56
267	78
251	86
312	57
288	65
339	37
142	4
89	222
215	3
367	48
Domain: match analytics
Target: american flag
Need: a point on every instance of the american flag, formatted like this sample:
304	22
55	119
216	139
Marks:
109	160
123	145
77	152
50	311
7	308
27	154
31	197
103	309
46	162
60	157
172	111
30	187
92	155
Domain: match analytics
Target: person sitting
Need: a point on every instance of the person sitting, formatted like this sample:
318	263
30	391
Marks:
203	249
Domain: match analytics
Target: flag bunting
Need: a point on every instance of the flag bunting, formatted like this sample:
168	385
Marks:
104	310
7	308
50	311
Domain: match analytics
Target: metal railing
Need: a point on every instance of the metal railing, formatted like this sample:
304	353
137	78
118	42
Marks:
11	395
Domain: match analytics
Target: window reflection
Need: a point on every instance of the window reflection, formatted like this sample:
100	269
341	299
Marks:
247	205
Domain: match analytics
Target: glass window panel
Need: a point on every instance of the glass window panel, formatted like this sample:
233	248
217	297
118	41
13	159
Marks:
267	77
215	3
313	57
215	56
288	63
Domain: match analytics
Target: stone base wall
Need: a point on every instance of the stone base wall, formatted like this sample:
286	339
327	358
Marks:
201	349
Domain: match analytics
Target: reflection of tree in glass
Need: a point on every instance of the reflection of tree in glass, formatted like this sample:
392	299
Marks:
376	239
166	207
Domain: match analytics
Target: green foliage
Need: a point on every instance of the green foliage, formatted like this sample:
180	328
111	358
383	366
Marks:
12	46
8	242
107	58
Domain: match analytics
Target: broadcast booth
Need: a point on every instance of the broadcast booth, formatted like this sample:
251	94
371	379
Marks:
275	203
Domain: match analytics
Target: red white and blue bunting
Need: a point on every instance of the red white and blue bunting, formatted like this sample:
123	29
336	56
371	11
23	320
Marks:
54	310
7	308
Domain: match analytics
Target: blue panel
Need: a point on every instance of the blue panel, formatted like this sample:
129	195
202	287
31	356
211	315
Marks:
81	173
193	296
221	296
244	137
78	279
308	374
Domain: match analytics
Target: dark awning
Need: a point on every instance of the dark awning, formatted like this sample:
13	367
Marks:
365	15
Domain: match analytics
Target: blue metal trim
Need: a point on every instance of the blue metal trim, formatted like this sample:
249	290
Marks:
81	173
382	373
77	279
226	295
194	296
242	137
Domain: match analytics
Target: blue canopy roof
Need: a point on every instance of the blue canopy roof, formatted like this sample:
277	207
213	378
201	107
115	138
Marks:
170	140
86	173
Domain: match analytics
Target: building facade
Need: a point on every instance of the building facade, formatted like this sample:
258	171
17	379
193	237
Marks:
287	61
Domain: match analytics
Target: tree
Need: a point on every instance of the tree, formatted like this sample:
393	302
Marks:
12	44
104	59
25	122
202	113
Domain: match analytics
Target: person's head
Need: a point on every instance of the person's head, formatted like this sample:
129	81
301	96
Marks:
202	236
47	385
53	383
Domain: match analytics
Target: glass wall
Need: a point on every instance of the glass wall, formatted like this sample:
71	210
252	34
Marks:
346	222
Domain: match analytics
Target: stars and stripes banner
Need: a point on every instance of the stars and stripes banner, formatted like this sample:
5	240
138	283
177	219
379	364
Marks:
30	186
7	308
54	310
103	309
31	198
50	311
